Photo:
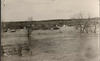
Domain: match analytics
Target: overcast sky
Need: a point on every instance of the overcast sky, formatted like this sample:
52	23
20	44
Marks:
49	9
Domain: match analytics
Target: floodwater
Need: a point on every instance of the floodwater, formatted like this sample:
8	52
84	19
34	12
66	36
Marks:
61	46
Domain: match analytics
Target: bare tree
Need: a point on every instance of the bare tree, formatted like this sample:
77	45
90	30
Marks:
82	23
79	22
95	22
91	23
29	33
19	49
86	24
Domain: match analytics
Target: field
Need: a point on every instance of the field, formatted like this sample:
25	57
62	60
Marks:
55	45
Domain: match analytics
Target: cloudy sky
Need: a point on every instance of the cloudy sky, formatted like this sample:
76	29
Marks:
49	9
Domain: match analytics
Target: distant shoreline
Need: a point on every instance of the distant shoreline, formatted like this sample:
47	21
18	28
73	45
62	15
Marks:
19	20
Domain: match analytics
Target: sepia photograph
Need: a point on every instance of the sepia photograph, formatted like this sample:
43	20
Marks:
50	30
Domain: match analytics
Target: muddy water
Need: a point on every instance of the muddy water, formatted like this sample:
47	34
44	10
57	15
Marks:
66	46
89	50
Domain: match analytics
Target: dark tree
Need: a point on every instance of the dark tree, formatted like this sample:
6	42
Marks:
29	29
19	50
83	24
